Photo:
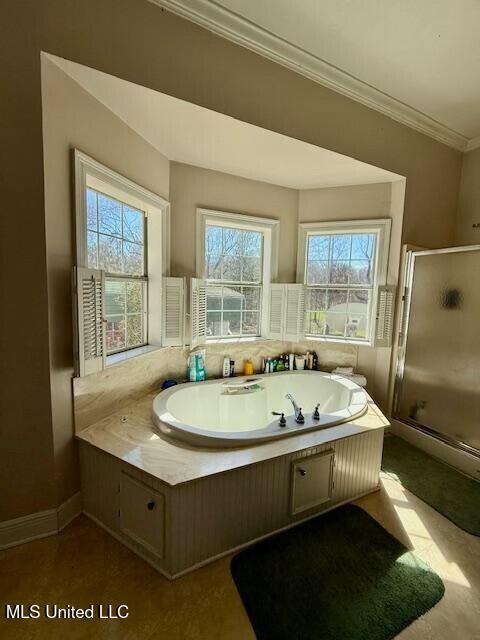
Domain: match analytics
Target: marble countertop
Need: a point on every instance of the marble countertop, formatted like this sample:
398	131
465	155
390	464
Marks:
130	435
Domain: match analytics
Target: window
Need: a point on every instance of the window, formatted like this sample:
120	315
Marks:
238	259
343	264
122	231
116	245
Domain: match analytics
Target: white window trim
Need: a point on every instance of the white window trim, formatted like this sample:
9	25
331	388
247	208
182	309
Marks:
90	173
382	228
269	227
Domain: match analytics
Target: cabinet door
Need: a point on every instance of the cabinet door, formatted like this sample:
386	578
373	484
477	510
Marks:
312	481
142	514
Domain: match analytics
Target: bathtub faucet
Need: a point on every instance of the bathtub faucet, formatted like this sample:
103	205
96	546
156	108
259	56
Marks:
298	411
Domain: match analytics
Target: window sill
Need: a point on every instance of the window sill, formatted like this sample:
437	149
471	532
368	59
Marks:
235	340
118	358
356	343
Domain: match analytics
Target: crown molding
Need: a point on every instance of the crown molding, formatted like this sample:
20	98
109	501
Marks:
230	25
473	143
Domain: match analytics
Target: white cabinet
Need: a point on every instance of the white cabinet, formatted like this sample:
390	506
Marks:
142	514
312	481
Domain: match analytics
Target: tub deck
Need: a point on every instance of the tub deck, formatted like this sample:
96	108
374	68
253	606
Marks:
130	436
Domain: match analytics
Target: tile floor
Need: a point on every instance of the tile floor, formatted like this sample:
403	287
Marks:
85	565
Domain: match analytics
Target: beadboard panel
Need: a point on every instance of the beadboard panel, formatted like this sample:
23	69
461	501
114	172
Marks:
208	517
100	476
223	512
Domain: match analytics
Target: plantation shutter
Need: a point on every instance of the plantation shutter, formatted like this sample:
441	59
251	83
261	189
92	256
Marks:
90	323
276	311
384	316
173	312
287	312
198	312
294	312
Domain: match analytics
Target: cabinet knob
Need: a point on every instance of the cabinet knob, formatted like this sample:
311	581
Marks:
302	472
151	505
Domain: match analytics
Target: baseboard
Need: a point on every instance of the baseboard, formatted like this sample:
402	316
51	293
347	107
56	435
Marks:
69	510
40	524
31	527
461	460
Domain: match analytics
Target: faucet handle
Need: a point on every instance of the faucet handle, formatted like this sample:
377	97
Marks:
282	422
316	413
299	417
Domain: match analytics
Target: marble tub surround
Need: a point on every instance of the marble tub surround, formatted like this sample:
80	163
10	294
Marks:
98	395
129	435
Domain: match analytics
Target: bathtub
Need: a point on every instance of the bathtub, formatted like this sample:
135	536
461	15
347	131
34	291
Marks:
235	412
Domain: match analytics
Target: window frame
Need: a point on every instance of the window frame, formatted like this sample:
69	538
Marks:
269	227
381	227
90	173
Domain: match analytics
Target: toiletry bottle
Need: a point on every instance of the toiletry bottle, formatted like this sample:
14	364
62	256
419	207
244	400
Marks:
291	361
248	368
191	368
226	367
201	373
315	361
232	368
280	364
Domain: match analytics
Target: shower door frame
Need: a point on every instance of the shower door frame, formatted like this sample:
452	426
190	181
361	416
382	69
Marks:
402	339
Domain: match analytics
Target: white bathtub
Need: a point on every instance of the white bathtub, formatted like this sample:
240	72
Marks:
210	414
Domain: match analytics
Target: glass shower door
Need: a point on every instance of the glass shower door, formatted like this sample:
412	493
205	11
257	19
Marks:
438	381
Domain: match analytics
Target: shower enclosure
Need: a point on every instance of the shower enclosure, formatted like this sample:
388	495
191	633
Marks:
437	386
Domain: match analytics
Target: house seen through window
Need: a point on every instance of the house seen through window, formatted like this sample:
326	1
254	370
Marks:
340	279
234	272
116	245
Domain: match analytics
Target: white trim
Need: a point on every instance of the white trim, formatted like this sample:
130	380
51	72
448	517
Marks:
89	172
382	228
269	227
242	31
473	143
69	510
121	356
40	524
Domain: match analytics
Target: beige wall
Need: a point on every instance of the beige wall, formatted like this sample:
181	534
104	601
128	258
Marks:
345	203
135	40
358	202
469	200
192	187
72	118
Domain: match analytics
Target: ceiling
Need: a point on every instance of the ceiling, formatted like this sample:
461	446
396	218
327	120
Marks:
418	62
190	134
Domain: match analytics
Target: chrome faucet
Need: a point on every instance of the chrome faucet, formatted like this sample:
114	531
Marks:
298	411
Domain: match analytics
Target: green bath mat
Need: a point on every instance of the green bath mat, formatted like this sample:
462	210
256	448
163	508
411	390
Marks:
451	493
340	576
